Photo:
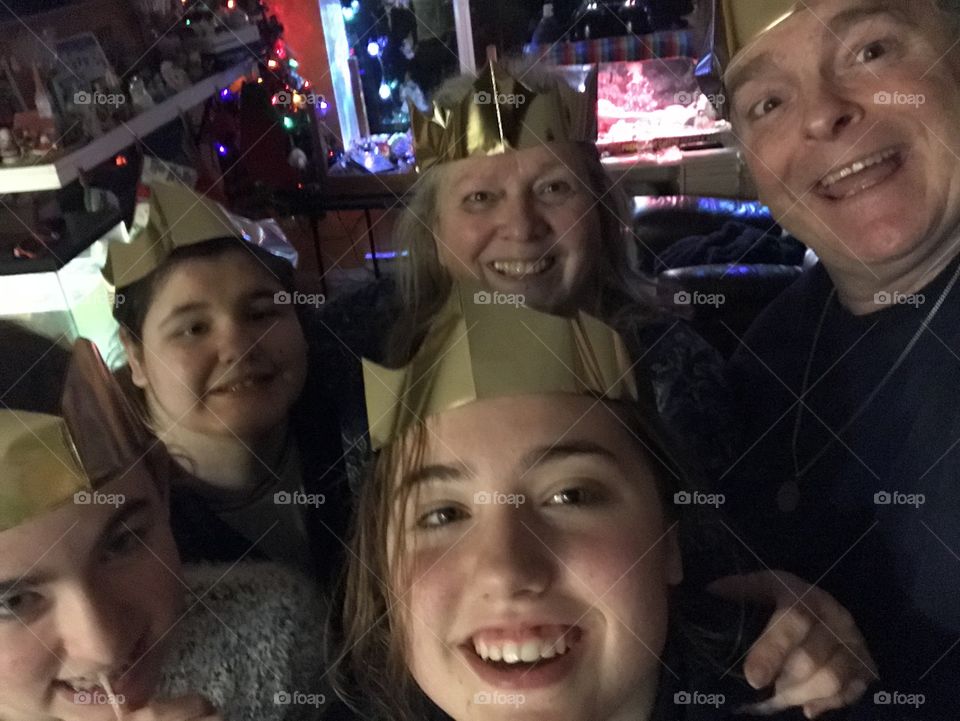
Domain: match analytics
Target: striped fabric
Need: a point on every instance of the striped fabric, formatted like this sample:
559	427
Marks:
666	44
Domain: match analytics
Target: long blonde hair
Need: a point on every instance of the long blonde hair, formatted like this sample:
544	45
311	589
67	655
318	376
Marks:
423	281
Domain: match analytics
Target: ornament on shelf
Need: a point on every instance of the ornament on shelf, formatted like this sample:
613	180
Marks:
139	97
9	152
41	99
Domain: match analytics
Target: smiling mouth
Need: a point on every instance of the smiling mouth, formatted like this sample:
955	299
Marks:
248	382
506	653
522	268
81	687
860	175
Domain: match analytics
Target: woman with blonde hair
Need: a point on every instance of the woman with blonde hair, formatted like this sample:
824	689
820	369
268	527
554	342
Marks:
512	196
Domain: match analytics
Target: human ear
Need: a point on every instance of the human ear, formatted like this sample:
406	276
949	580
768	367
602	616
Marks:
134	352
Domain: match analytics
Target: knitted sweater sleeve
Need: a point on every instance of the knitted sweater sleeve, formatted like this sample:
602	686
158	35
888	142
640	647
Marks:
251	641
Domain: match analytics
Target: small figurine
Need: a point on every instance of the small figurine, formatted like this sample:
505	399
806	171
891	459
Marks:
139	97
9	152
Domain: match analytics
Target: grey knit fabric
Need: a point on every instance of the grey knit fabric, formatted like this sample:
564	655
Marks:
251	642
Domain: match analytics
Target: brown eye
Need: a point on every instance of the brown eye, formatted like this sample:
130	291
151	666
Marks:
440	517
764	107
871	52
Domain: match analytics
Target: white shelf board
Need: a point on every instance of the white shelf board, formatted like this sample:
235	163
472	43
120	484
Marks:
67	168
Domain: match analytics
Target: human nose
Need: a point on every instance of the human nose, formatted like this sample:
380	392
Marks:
511	557
829	111
521	219
236	340
92	629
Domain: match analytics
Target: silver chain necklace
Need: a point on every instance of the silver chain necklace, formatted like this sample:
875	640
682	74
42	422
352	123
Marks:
790	490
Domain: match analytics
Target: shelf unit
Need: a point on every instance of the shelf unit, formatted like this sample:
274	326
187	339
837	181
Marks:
66	168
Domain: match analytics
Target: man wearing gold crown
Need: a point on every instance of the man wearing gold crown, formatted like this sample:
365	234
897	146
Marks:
848	114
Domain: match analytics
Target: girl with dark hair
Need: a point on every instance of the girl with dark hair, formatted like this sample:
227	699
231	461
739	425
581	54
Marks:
218	365
521	546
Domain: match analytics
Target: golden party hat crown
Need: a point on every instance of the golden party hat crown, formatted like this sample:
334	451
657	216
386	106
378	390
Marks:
47	459
735	25
177	216
478	347
500	113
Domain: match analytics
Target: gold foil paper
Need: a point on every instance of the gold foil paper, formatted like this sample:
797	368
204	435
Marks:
178	216
480	348
46	459
500	113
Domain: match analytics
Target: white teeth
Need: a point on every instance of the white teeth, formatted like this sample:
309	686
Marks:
857	167
530	651
84	685
526	652
242	385
521	268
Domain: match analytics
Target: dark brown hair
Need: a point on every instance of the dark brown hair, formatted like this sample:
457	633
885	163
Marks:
371	663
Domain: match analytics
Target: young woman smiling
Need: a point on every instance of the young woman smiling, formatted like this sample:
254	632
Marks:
218	363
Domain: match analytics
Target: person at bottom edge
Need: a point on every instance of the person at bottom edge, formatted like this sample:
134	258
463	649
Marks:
97	618
519	550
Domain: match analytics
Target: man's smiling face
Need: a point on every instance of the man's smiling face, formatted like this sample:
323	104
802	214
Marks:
848	112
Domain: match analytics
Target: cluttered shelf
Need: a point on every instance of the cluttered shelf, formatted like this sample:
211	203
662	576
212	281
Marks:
66	168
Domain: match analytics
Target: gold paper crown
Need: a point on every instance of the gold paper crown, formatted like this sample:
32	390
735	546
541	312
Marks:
177	217
736	24
746	20
500	113
46	459
478	349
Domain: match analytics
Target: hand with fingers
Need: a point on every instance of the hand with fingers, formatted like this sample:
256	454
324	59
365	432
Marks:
192	707
811	650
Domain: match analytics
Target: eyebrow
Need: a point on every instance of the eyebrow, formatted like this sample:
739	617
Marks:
121	515
539	456
556	452
182	310
838	24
